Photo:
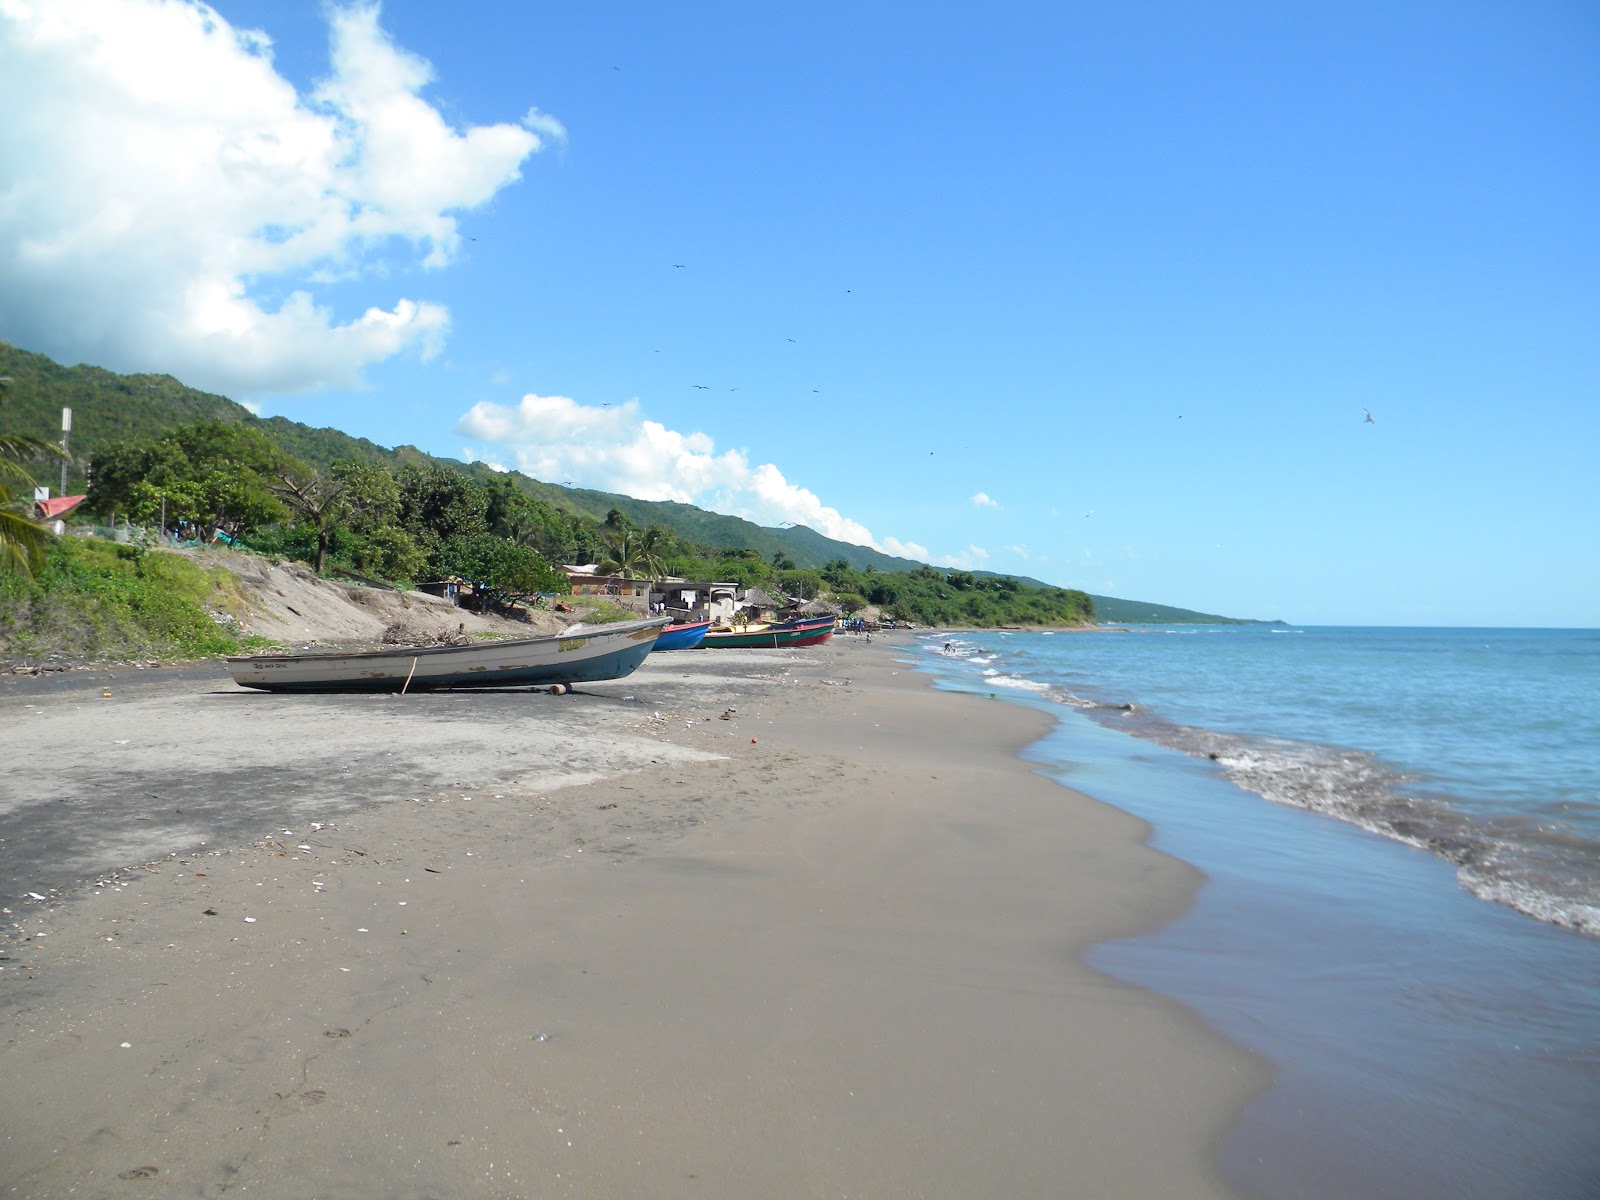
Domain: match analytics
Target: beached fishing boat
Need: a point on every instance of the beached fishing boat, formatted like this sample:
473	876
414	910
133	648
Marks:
581	654
685	636
809	631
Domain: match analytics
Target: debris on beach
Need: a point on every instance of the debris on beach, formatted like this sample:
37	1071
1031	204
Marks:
402	633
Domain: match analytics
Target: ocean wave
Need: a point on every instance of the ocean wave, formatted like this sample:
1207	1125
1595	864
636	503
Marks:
1018	683
1536	863
1544	870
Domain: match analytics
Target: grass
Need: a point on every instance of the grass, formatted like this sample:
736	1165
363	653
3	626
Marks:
105	601
603	612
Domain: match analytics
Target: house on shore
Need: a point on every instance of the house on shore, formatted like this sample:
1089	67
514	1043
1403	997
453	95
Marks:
684	599
48	511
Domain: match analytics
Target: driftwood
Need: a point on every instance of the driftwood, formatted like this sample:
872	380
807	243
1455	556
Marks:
401	634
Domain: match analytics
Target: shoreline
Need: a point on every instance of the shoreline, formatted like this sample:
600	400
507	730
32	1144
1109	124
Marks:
743	922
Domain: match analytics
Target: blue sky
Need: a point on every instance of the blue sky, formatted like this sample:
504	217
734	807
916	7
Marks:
1098	294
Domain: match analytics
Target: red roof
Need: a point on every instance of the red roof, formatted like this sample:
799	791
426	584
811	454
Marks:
49	509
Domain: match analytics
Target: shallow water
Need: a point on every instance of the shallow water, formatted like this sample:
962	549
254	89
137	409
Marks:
1429	1041
1478	745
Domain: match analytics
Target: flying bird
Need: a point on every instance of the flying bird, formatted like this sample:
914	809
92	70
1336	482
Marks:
704	387
1369	420
680	266
791	339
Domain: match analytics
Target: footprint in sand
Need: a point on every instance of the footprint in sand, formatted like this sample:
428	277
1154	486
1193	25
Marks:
336	1033
139	1173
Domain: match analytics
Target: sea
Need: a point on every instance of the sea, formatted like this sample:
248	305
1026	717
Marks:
1399	830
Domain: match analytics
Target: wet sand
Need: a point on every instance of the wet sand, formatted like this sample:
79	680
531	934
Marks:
607	944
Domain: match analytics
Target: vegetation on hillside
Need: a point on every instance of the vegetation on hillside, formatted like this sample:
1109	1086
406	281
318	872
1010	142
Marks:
95	599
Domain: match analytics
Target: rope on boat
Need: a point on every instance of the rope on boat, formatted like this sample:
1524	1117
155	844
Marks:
409	674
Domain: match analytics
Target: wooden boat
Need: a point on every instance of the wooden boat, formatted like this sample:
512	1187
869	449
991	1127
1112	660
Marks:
809	631
581	654
684	636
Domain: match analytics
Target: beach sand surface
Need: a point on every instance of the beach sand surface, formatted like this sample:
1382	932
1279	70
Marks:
747	923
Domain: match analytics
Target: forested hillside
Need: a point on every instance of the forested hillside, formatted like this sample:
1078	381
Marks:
331	499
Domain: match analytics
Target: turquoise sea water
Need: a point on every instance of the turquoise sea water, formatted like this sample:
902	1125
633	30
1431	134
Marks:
1400	829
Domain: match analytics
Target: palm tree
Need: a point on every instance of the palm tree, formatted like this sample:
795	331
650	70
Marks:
635	553
22	539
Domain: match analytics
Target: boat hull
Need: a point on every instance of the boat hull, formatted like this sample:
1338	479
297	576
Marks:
774	637
574	656
682	637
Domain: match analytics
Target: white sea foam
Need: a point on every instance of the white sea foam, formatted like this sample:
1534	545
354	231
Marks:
1017	683
1502	798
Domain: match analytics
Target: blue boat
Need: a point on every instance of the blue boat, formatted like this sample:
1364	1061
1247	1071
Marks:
683	637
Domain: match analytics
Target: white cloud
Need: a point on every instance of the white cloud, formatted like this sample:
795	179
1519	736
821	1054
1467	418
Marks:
616	449
970	559
542	122
1020	551
982	500
169	202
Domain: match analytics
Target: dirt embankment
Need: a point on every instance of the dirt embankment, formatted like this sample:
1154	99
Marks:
288	603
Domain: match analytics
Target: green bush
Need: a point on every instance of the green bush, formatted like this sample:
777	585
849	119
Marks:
104	600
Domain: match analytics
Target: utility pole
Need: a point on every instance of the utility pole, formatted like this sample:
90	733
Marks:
66	428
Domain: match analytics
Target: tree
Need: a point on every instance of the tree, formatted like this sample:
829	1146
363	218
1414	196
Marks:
22	539
212	473
511	513
438	504
371	494
838	574
389	552
320	501
496	563
635	553
808	585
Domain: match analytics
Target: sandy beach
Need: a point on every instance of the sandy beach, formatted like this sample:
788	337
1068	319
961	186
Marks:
746	923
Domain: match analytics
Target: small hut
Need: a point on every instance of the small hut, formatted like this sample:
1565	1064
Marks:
758	605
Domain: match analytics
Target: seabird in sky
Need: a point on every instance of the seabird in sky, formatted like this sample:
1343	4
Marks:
1369	420
704	387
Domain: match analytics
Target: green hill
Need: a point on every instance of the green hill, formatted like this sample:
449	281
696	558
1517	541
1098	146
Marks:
109	407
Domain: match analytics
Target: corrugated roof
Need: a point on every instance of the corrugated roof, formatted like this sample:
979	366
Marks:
50	509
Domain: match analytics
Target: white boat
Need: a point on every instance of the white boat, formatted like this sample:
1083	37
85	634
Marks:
581	654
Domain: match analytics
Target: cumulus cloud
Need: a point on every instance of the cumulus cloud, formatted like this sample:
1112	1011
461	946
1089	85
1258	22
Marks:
970	559
169	202
617	449
982	500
